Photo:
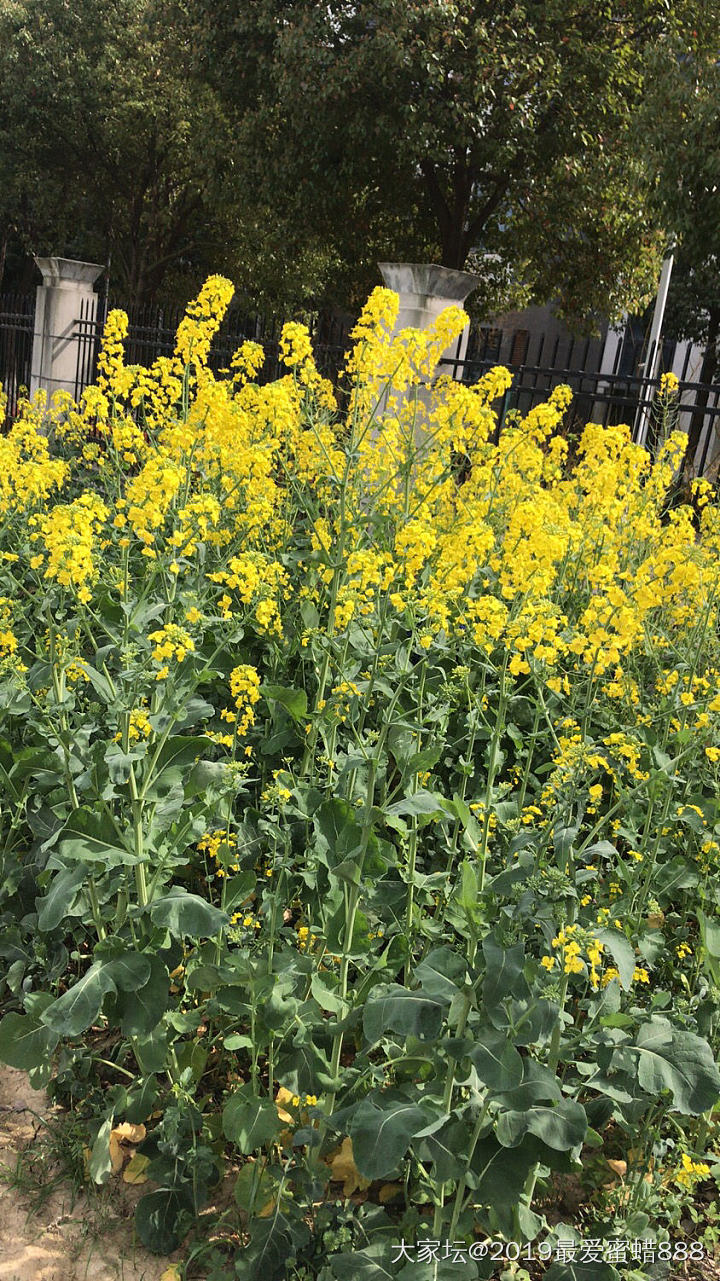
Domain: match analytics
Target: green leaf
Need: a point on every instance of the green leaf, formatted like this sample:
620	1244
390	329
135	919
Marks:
447	1149
100	1163
538	1084
141	1011
248	1121
186	914
60	897
581	1272
293	700
304	1069
671	1059
391	1008
25	1042
100	683
361	1265
496	1061
622	953
92	838
442	973
79	1007
381	1131
157	1217
504	973
562	1127
129	971
271	1245
182	749
422	804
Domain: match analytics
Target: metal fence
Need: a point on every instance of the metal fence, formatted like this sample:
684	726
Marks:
608	386
17	315
152	332
604	391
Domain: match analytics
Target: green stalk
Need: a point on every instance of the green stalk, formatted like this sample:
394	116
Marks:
352	903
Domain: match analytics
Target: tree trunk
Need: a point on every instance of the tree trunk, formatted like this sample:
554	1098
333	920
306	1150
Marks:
707	377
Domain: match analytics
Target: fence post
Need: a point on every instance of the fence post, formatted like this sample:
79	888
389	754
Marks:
425	290
61	357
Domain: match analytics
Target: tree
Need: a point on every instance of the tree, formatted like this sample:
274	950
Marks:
447	126
109	151
681	129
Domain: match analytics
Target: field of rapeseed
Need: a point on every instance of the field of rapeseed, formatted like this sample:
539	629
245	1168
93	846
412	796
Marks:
359	824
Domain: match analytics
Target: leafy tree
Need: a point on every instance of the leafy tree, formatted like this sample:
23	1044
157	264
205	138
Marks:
436	127
682	133
109	152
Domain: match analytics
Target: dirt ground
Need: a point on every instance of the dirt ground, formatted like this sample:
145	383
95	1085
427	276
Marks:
59	1240
58	1235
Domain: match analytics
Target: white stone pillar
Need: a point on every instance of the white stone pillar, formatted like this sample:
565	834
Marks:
425	290
63	350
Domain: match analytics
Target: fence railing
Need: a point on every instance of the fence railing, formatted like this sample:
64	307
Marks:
605	390
17	315
607	396
152	333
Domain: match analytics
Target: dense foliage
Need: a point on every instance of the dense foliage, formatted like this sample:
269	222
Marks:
359	822
296	145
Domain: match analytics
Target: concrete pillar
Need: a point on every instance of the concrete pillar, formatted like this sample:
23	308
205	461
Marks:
425	290
63	349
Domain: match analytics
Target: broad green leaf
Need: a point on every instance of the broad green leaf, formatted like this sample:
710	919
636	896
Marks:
92	838
538	1085
129	971
141	1010
669	1058
447	1149
562	1127
99	682
293	700
271	1245
25	1042
496	1061
442	973
187	914
381	1131
157	1218
622	953
422	804
504	973
182	749
391	1008
60	897
74	1011
304	1069
248	1121
362	1265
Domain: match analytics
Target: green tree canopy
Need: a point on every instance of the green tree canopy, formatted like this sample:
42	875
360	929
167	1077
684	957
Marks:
432	128
108	149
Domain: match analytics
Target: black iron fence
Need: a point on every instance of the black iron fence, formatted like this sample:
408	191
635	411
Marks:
608	378
17	316
152	333
609	387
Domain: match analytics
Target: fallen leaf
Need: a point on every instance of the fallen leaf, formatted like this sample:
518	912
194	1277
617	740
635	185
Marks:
267	1209
134	1171
284	1096
172	1273
117	1155
127	1133
620	1167
389	1191
344	1170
